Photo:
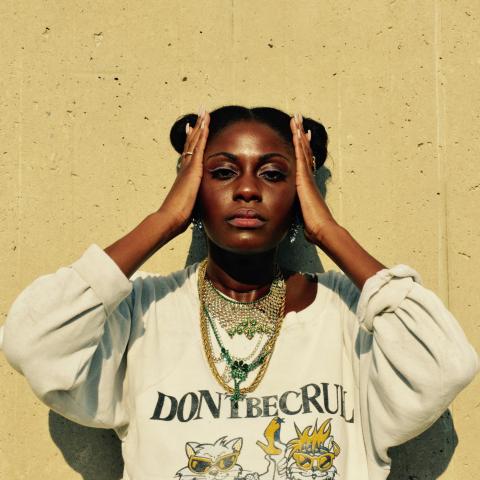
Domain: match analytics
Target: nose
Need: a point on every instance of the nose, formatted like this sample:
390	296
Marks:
247	188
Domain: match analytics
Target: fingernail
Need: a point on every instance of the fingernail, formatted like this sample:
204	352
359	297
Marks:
300	117
203	124
309	135
187	128
201	111
296	118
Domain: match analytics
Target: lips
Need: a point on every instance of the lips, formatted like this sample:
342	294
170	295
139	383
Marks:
246	218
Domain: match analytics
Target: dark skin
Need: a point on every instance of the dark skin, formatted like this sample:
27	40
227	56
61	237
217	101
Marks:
247	166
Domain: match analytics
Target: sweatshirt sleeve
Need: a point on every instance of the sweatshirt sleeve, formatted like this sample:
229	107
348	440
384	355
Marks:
67	333
413	355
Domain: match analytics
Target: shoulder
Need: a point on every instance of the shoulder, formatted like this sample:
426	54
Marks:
338	283
345	293
162	299
326	287
181	282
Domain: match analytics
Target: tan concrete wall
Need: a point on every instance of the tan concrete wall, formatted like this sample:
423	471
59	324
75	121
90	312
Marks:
89	90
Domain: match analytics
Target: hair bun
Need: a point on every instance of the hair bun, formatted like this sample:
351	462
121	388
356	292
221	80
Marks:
178	134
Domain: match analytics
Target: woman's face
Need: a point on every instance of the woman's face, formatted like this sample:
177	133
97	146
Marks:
247	193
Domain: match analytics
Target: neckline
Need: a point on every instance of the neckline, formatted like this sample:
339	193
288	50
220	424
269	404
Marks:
288	317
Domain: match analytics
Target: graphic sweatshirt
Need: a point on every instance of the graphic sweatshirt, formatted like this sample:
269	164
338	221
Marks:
351	375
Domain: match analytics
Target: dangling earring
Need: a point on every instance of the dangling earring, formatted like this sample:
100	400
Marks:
197	224
292	232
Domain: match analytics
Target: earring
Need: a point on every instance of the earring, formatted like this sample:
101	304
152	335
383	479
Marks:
292	232
197	224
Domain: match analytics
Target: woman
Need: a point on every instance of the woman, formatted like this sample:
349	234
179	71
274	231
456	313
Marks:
234	368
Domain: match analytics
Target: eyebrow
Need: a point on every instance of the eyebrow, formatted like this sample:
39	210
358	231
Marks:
234	158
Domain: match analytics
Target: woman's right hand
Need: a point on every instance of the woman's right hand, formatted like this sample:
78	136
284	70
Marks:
178	206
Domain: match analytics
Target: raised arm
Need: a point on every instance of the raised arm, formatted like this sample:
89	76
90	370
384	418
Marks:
320	227
413	356
68	332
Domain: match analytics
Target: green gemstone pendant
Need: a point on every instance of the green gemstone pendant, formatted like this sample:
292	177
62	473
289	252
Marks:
239	371
236	395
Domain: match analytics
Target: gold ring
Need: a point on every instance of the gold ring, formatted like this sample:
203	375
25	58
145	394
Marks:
314	162
186	153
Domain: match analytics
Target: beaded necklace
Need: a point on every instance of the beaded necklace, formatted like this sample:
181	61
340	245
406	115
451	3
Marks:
238	369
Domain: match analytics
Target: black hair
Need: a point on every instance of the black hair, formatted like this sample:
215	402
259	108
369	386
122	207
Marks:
274	118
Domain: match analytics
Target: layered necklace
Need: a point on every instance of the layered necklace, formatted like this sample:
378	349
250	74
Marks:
262	318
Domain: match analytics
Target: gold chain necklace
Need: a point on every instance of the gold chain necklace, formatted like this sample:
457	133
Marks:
246	318
239	370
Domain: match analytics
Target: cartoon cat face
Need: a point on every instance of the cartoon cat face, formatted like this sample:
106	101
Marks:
312	453
217	461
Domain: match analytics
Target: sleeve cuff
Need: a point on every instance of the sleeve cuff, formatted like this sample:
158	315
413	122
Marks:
104	276
384	291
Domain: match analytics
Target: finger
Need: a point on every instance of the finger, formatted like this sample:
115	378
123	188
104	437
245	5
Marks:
199	132
312	160
303	152
307	151
299	155
188	131
293	125
192	138
305	142
202	140
192	130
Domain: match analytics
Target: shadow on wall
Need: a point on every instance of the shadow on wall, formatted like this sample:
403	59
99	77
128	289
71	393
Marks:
427	456
96	453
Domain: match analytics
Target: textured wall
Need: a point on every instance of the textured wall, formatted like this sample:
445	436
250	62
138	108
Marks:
90	88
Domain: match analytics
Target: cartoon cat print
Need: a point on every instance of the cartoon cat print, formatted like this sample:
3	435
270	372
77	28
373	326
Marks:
214	461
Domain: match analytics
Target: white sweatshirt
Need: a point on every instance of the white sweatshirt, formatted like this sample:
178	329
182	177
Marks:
351	375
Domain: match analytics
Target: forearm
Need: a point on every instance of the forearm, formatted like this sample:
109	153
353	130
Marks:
348	254
135	248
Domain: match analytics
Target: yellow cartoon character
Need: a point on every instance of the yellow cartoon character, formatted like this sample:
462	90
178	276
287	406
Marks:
309	455
312	452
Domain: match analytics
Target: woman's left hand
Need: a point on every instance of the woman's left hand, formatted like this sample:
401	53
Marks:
316	215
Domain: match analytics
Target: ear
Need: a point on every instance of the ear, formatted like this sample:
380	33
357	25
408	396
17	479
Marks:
236	444
328	443
336	448
190	448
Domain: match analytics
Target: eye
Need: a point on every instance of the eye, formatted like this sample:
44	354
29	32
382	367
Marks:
199	465
222	173
227	462
303	461
326	461
273	175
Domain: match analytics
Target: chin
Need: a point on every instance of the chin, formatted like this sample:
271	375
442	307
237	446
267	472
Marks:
246	242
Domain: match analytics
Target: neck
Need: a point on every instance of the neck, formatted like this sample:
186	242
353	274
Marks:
242	277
